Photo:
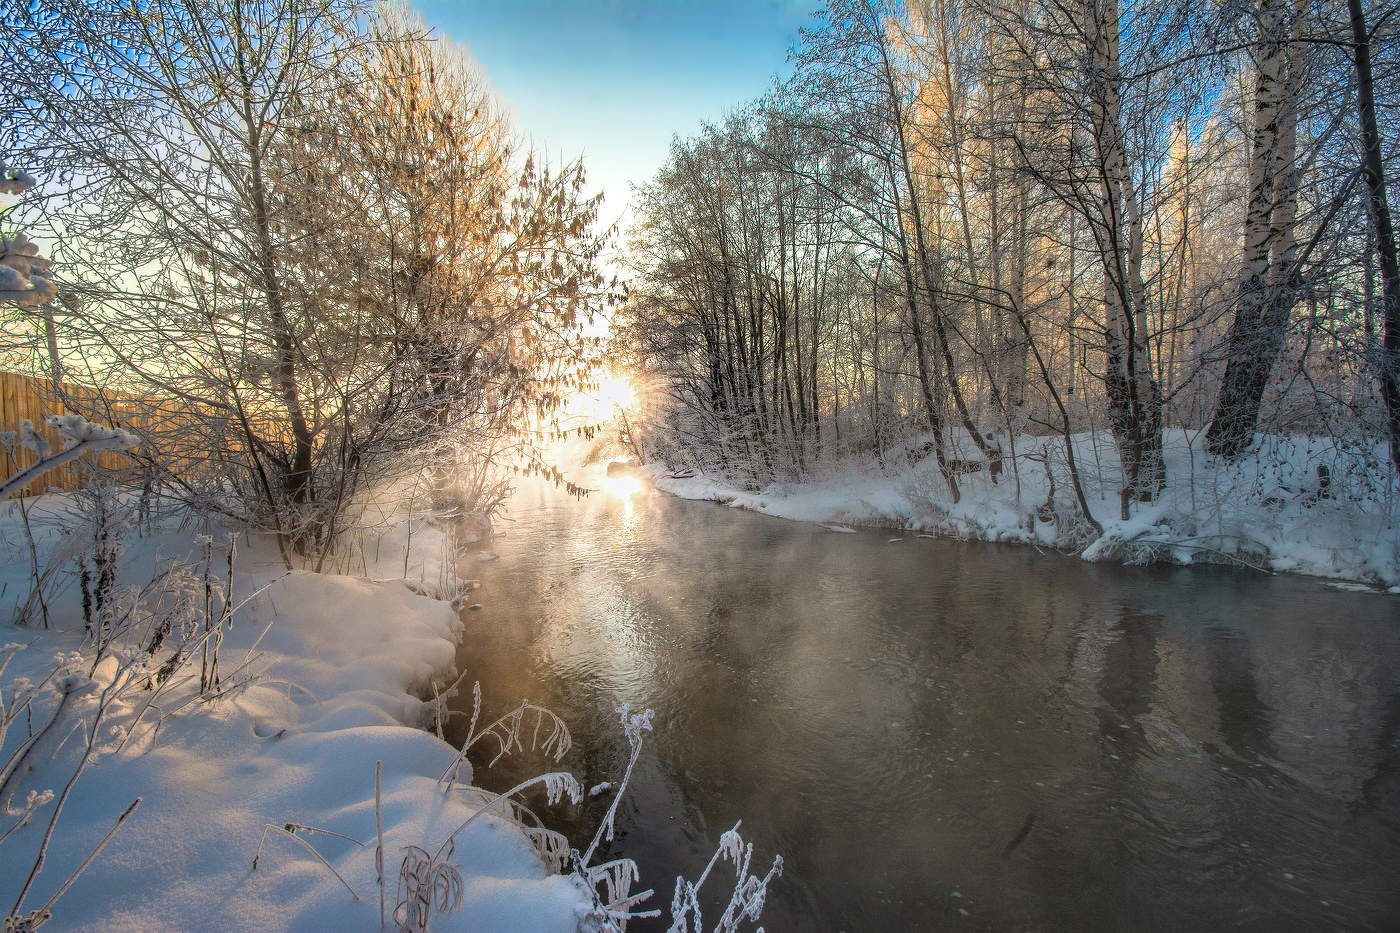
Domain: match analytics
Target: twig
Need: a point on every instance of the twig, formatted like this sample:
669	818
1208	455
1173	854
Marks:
309	847
131	808
379	832
62	799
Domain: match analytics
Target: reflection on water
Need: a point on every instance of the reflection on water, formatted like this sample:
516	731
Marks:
937	734
619	492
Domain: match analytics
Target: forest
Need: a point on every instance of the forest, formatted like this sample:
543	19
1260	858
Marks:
960	227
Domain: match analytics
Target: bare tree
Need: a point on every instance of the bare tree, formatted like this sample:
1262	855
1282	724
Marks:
301	234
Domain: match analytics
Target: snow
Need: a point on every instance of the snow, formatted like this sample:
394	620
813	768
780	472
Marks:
340	662
1270	511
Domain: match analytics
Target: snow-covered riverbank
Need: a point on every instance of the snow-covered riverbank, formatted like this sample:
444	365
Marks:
1274	511
320	676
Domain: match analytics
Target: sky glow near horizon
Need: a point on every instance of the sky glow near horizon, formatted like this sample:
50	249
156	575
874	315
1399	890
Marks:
614	80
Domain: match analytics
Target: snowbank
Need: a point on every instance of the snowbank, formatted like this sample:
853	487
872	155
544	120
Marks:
1275	511
339	661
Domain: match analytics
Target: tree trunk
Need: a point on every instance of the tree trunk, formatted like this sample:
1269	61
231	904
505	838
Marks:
1263	301
1373	171
1134	397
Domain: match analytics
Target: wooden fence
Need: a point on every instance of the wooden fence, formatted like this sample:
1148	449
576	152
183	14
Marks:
24	397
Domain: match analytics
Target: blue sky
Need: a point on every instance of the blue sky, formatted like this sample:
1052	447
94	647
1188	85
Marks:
613	80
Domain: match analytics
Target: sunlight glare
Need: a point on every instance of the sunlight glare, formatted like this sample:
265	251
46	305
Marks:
624	487
615	391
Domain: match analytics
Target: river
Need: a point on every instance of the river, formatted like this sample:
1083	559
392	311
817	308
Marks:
947	735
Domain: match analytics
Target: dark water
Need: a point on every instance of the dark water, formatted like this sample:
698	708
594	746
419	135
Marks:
939	735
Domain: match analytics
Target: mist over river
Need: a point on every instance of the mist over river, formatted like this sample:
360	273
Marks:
944	735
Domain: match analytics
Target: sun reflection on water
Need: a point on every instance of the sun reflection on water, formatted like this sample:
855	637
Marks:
624	489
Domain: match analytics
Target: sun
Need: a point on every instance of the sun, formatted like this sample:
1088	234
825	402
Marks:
615	391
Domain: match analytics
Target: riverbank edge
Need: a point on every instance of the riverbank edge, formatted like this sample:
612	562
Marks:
850	498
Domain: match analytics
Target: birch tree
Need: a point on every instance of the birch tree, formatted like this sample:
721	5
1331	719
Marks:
1265	293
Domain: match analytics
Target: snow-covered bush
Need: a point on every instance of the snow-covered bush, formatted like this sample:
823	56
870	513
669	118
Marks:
287	336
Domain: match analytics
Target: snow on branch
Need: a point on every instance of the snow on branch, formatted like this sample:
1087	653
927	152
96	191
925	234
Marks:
24	274
80	436
14	181
77	430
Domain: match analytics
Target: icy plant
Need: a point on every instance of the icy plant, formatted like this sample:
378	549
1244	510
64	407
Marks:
81	437
37	918
16	700
291	831
379	835
426	887
107	524
168	605
552	848
548	733
214	626
430	884
745	902
67	680
613	906
633	725
70	682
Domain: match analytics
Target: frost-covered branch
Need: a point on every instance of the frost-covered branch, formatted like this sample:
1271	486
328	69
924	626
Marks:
80	437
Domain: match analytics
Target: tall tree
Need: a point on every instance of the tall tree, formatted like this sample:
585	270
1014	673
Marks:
1116	220
1265	296
1383	231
